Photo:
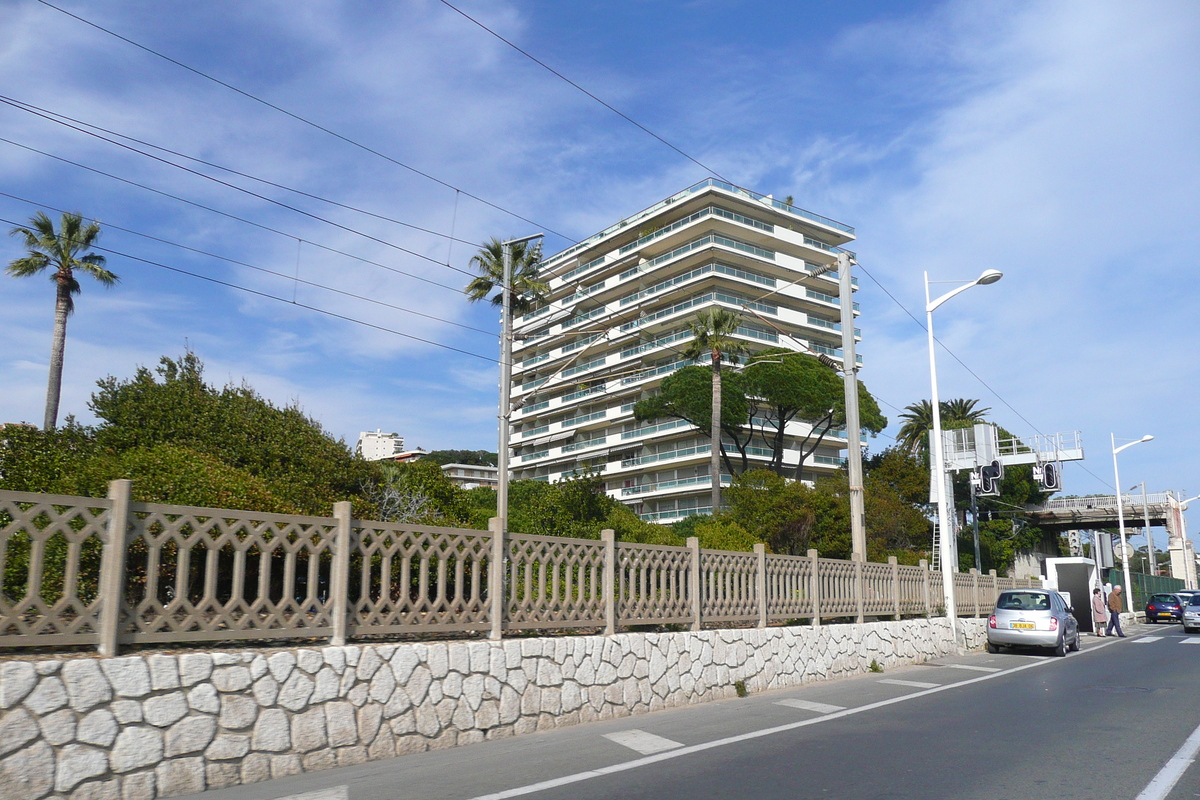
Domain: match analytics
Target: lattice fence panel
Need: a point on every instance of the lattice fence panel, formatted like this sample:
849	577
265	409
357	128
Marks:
50	552
837	587
789	587
912	589
555	582
727	586
937	596
197	574
653	584
877	589
987	594
964	594
408	578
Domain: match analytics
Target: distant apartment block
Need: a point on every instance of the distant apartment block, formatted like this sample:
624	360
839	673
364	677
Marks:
377	445
471	476
617	319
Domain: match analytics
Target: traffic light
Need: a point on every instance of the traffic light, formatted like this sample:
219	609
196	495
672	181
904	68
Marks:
989	479
1048	476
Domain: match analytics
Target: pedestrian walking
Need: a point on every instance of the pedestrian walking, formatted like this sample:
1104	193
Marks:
1099	611
1115	602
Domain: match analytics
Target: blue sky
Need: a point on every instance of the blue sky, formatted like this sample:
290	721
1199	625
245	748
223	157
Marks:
1056	142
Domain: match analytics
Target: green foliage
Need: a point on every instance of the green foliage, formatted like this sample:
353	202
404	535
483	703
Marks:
479	458
291	453
687	394
528	289
874	666
33	460
790	516
913	435
722	533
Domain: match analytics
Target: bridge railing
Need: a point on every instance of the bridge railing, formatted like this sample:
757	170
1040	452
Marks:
1132	502
108	571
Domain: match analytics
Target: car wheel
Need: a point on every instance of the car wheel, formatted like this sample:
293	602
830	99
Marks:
1060	649
1186	629
1075	643
993	648
1151	621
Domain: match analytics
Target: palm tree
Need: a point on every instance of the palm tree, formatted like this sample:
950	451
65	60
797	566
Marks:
918	421
65	250
712	334
527	289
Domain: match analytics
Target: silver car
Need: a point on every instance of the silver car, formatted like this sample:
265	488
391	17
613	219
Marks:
1191	614
1032	618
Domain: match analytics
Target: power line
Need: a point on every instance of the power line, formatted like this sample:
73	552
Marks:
284	300
224	213
295	279
234	186
301	119
558	74
57	117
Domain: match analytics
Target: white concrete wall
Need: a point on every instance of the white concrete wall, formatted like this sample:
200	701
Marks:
156	725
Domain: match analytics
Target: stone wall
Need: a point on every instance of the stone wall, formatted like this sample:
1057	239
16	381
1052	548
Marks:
158	725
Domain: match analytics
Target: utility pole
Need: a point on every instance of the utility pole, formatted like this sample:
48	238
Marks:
858	530
506	340
975	527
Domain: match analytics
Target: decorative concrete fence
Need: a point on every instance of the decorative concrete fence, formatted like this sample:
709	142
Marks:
157	725
106	572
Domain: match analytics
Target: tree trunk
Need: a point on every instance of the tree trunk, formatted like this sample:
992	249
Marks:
715	465
54	387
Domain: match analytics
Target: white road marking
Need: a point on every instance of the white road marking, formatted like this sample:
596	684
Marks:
333	793
969	666
1190	641
566	780
806	705
914	684
1173	770
642	742
1145	639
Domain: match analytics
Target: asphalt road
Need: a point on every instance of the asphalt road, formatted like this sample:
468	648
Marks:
1101	723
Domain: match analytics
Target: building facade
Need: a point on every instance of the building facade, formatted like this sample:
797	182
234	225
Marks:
377	445
471	476
617	320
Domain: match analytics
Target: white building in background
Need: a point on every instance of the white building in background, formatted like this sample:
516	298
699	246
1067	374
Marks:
618	316
377	445
471	476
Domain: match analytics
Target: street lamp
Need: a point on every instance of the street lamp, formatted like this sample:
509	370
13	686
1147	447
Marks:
939	471
1121	513
506	340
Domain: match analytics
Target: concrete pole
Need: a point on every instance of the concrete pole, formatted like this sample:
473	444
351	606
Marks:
858	530
1121	524
505	388
1149	538
946	530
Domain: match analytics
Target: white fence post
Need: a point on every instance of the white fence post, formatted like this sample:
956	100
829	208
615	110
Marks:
816	588
609	538
694	582
112	567
760	551
496	579
895	585
339	579
924	564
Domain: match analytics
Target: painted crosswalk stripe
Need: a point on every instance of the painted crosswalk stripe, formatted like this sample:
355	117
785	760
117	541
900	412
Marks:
1191	641
642	742
914	684
970	667
808	705
332	793
1145	639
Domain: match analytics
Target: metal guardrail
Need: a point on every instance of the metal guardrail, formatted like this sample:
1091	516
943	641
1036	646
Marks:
104	572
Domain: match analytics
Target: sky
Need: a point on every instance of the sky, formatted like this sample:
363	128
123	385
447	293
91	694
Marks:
1054	141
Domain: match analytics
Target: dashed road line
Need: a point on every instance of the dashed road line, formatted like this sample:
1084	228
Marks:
970	667
1145	639
1191	641
642	742
332	793
913	684
808	705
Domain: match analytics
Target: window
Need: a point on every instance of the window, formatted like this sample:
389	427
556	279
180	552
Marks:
1023	601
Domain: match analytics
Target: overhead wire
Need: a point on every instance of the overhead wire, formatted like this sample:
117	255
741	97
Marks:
225	214
244	190
57	117
334	314
559	75
304	120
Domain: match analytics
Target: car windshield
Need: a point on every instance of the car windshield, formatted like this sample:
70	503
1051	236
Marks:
1194	602
1024	601
1164	598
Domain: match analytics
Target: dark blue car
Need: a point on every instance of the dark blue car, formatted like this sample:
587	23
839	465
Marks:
1163	608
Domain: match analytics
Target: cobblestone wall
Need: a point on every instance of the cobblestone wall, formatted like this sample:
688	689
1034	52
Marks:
158	725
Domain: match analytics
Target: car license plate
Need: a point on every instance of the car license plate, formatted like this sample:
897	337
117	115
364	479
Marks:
1024	625
1165	614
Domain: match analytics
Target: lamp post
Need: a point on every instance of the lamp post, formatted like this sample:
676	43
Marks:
938	467
506	340
1121	513
1146	527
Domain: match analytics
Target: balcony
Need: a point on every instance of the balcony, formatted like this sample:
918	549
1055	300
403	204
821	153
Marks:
653	458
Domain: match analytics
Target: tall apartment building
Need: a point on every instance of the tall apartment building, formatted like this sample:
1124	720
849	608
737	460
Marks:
618	315
376	445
